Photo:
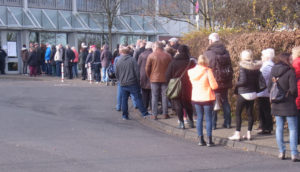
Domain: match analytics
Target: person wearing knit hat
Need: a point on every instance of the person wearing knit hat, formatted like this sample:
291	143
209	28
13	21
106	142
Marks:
246	88
25	56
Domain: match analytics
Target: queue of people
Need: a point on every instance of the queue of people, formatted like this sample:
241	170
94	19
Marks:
204	86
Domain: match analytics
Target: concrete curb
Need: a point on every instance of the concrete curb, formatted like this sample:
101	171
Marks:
192	136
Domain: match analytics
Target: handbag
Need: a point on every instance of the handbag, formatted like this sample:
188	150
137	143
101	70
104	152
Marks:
218	103
261	83
175	85
277	94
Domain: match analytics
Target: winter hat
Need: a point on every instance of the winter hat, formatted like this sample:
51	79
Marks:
149	45
246	55
173	40
93	46
268	54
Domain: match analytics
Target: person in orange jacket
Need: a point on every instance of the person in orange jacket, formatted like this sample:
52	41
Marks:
203	97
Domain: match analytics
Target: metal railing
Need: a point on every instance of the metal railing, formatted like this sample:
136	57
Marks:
51	4
11	2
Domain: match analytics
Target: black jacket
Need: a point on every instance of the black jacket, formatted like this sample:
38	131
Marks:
127	71
248	77
33	59
68	57
53	51
175	69
287	81
96	57
138	52
219	59
3	54
83	56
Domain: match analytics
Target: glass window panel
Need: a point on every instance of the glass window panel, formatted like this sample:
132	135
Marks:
33	37
94	39
47	38
119	25
61	38
105	39
12	66
124	39
11	36
131	23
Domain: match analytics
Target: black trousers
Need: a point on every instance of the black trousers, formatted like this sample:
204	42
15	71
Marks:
146	97
240	105
84	72
265	117
179	105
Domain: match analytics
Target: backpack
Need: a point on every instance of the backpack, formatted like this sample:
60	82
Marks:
277	94
223	71
111	72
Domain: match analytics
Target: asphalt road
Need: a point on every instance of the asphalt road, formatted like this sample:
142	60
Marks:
46	126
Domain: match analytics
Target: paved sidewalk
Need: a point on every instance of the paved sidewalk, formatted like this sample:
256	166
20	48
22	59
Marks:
265	144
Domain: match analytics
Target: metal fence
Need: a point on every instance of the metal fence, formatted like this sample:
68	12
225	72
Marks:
51	4
11	2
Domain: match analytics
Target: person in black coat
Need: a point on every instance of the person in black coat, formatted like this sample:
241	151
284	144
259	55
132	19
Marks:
175	69
285	109
83	56
68	61
33	62
220	63
246	89
139	50
3	55
96	63
52	61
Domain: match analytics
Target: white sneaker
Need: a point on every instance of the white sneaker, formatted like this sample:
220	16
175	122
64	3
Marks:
247	136
236	136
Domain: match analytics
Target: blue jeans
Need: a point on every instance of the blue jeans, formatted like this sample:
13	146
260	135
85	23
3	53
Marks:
135	91
119	98
226	109
293	131
58	68
48	68
201	110
53	70
96	71
75	70
104	72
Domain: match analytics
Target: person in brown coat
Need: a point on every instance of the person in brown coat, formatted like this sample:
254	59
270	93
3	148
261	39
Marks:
156	67
144	80
25	55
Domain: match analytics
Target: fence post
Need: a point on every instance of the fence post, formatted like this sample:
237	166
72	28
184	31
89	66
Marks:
62	72
90	72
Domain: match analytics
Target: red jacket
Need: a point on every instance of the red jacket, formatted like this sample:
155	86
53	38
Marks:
296	65
76	56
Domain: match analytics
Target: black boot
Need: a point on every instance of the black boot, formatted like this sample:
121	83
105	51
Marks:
210	142
201	141
181	125
191	124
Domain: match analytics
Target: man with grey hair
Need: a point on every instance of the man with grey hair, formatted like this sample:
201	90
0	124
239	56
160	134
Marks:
68	61
144	80
174	43
156	67
265	117
128	77
220	63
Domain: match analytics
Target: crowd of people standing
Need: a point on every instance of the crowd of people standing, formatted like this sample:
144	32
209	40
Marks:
145	74
144	71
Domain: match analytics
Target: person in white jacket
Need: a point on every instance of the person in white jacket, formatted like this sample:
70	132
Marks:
265	117
58	60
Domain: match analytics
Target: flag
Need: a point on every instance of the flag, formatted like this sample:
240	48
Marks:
197	7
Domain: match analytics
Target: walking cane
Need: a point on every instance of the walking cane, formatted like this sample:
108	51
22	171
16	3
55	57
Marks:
62	72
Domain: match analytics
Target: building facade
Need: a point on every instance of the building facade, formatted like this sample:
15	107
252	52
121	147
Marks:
73	22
